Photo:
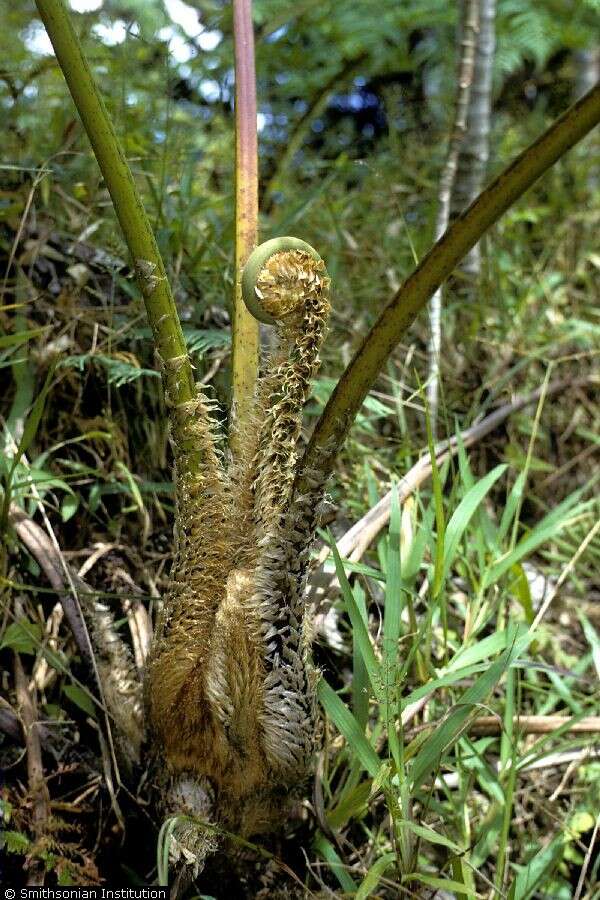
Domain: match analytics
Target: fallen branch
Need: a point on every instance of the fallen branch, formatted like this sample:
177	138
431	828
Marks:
485	725
552	761
12	726
43	551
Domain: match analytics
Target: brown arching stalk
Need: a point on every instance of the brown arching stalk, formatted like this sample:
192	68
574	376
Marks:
396	317
229	690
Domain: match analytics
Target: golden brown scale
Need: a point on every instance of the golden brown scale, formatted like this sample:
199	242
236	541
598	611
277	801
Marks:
229	695
176	668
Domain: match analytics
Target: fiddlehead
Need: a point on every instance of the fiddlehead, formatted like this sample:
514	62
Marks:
285	282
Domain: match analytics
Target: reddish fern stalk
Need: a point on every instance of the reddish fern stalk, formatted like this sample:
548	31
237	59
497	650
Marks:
245	337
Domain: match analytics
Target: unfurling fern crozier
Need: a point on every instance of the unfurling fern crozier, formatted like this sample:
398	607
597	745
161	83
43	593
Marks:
229	689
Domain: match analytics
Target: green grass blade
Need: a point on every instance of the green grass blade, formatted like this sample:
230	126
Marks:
438	504
347	725
438	743
19	337
330	855
393	592
546	529
465	511
374	875
442	884
360	631
360	676
530	877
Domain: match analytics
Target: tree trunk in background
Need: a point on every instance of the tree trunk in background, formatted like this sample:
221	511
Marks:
474	154
587	70
587	73
466	60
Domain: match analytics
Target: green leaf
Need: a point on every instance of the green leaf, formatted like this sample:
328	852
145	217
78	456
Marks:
445	735
329	853
519	585
360	676
80	698
347	725
544	531
530	877
464	512
422	539
393	594
163	846
360	632
438	504
14	842
511	506
353	804
373	876
485	648
118	371
442	884
592	638
33	419
133	485
429	835
22	637
68	507
19	337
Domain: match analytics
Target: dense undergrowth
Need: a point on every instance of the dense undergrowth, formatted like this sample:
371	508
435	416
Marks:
485	578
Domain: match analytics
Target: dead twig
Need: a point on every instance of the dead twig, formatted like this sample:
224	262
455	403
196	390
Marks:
38	789
12	726
587	860
43	551
551	761
491	725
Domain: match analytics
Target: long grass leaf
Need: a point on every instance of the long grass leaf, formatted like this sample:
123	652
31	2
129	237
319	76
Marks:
439	742
347	725
465	511
339	869
360	632
374	875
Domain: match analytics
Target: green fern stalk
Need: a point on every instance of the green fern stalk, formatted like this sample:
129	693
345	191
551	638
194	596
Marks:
149	267
352	388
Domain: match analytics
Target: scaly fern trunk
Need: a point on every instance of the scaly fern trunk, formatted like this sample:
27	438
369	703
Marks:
230	709
229	688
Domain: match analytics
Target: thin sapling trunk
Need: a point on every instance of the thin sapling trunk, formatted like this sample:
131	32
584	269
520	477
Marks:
468	36
475	149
